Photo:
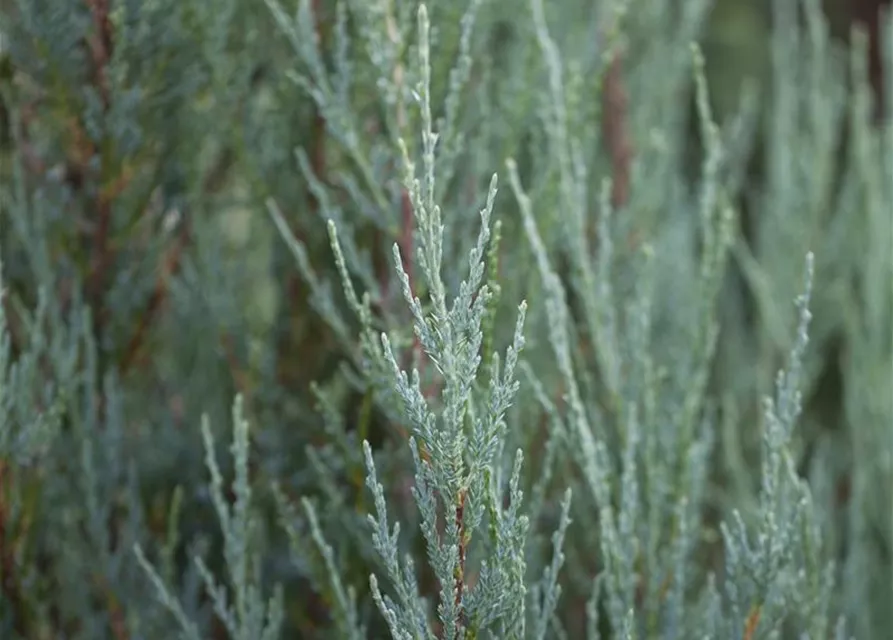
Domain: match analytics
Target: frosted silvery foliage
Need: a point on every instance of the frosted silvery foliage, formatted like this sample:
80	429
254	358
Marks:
777	575
249	616
458	433
140	293
365	78
25	430
644	448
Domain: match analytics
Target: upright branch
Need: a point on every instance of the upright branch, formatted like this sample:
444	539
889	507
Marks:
615	130
406	214
100	47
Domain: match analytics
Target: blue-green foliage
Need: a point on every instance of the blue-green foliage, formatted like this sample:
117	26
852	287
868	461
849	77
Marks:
504	291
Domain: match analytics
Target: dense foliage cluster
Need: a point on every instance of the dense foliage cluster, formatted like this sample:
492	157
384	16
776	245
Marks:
474	319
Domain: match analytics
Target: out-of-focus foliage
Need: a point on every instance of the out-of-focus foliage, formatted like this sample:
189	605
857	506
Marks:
517	276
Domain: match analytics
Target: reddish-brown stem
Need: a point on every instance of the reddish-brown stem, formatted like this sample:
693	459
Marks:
295	290
460	570
117	616
9	580
99	44
615	131
750	625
